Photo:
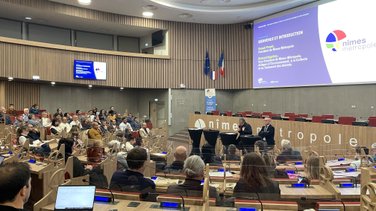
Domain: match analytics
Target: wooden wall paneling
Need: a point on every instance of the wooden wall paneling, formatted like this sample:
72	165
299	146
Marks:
22	95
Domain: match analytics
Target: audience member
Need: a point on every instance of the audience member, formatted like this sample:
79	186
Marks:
125	125
288	154
75	121
22	134
4	118
34	109
25	115
33	134
208	155
144	131
231	153
254	179
194	168
55	129
180	155
86	125
94	132
64	125
33	120
15	186
129	144
59	112
11	111
78	168
46	122
133	180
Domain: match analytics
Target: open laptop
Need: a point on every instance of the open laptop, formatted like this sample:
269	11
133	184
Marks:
75	198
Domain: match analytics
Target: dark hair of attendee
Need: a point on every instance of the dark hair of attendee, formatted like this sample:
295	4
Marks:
136	158
254	171
359	149
20	130
14	176
231	149
68	142
207	153
78	111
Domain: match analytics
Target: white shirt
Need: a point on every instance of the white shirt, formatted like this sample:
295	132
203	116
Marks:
78	123
46	122
124	126
64	125
22	140
128	146
144	132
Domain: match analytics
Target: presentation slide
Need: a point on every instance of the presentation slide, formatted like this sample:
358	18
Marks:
89	70
329	44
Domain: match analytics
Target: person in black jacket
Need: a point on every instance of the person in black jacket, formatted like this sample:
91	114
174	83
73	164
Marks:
244	127
208	155
180	155
133	180
78	168
15	186
254	182
267	132
288	154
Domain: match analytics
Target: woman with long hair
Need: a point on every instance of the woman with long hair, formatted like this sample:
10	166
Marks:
255	182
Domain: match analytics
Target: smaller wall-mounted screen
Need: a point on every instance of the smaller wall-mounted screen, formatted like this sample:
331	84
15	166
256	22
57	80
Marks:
89	70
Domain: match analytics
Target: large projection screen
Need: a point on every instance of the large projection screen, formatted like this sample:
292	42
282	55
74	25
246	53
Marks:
327	44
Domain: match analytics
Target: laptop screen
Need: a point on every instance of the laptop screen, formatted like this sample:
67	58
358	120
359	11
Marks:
75	197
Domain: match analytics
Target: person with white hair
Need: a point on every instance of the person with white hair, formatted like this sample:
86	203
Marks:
267	133
194	168
288	154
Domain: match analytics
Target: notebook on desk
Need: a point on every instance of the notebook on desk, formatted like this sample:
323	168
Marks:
75	198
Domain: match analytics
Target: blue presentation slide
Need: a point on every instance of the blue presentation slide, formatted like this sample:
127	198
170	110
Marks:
333	43
89	70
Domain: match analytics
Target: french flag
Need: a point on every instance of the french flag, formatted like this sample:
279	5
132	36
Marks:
221	65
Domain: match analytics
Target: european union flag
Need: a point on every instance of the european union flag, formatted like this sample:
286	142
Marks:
207	64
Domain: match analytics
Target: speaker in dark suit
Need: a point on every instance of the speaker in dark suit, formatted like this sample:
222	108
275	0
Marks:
244	127
267	132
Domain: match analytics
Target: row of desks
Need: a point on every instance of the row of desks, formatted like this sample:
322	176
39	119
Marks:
124	205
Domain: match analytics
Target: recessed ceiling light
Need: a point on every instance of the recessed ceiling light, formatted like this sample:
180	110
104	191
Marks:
149	7
156	99
36	77
147	14
53	83
185	15
146	44
90	86
121	88
10	78
84	2
28	18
